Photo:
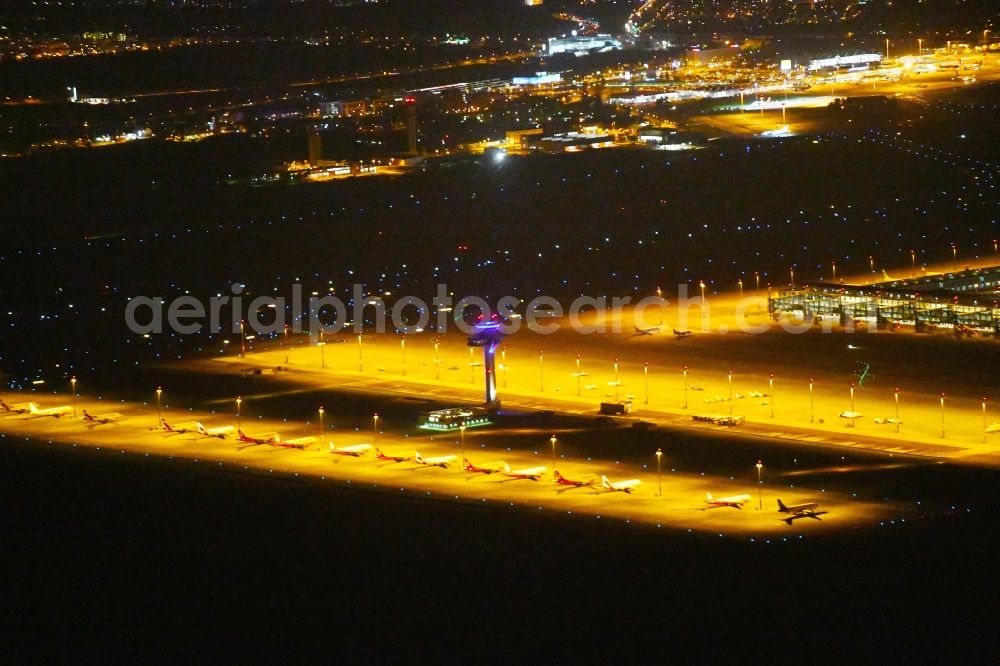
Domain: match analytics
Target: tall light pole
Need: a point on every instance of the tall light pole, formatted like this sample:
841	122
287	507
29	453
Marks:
834	265
730	392
701	305
791	273
616	380
243	340
322	354
984	420
954	254
402	352
760	486
285	344
239	413
375	427
897	409
461	440
920	46
472	367
770	382
685	387
552	441
361	360
853	415
437	361
159	406
811	412
578	378
942	415
887	49
645	376
756	275
321	411
913	263
541	371
72	381
659	478
740	282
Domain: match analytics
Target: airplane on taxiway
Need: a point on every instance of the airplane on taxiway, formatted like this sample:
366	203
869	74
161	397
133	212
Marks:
100	419
796	511
355	450
580	483
488	468
735	501
620	486
530	473
55	412
439	461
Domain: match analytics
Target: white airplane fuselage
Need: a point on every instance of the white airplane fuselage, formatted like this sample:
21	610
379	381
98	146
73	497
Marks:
355	450
532	473
735	501
56	412
621	486
219	432
439	461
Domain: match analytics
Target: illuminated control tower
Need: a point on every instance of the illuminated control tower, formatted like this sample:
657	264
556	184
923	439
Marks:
487	335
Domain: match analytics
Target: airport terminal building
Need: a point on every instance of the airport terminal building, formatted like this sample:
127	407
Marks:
967	302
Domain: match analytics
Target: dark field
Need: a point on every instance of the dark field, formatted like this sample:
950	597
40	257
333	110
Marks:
112	556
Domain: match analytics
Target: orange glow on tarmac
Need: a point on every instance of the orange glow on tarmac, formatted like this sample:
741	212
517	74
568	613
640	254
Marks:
800	417
680	507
